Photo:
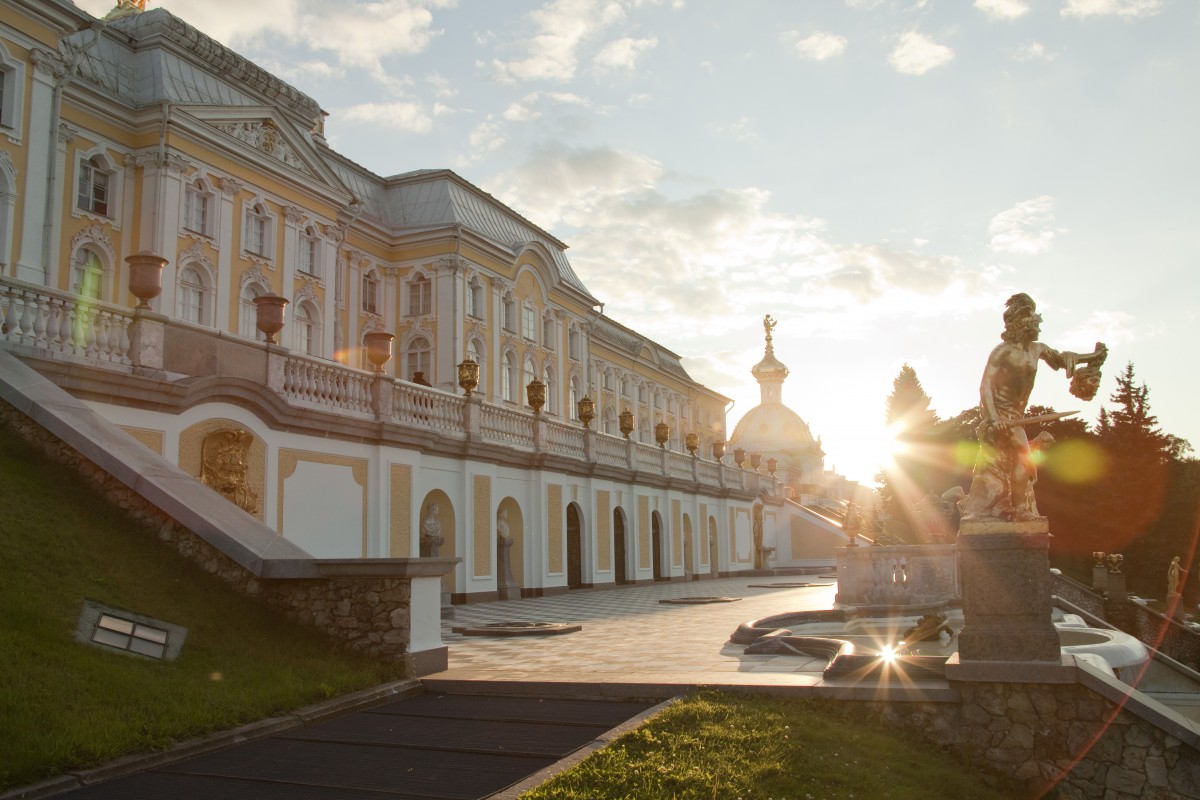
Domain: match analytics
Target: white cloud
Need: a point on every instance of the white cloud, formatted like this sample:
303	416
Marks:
742	130
485	138
621	55
999	10
1034	51
916	54
1108	8
1114	328
1026	228
400	115
561	27
818	46
528	108
665	261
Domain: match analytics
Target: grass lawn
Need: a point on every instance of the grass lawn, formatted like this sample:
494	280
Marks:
718	747
63	704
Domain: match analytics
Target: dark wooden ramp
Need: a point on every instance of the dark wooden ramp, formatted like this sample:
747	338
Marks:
428	747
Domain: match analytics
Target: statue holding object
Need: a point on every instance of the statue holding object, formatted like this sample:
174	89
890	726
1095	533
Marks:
1002	483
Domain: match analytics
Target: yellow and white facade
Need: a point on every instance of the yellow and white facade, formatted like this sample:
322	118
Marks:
138	133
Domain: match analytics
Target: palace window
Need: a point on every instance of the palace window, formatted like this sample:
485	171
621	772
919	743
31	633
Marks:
93	188
248	312
551	390
370	292
573	399
529	323
192	298
257	236
475	298
12	82
307	325
196	208
419	296
87	276
527	376
508	377
508	316
307	253
418	359
475	353
550	333
574	343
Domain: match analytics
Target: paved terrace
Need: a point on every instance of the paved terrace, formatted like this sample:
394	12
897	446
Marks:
633	645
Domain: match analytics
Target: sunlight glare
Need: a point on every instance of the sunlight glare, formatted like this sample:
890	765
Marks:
1076	461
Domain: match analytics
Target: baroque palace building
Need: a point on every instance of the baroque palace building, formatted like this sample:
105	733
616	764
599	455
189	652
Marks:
138	134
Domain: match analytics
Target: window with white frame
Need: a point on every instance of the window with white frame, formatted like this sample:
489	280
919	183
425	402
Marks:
642	393
197	208
307	327
508	377
87	274
610	420
574	343
308	253
527	376
93	186
608	380
529	325
475	304
257	236
573	399
12	83
550	332
248	312
418	359
419	296
370	292
508	315
192	298
475	353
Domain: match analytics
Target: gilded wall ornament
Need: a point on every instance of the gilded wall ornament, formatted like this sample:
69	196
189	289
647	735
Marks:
224	464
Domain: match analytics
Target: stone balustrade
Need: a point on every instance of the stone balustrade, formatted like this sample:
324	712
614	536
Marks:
324	383
897	575
55	322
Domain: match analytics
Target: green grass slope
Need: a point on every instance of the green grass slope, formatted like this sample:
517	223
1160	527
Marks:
64	704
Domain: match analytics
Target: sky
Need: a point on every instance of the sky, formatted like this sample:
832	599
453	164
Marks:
878	175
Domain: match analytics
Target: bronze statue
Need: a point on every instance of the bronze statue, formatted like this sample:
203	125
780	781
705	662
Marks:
1173	572
1002	484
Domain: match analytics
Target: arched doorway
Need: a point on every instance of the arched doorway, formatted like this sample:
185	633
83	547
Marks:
574	547
619	558
656	547
712	546
688	549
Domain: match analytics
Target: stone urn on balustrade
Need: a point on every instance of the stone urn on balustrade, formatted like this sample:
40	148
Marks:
270	309
379	348
145	276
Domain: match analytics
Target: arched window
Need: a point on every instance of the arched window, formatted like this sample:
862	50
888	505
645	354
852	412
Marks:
197	208
508	377
418	359
370	292
193	297
87	275
551	390
475	352
308	253
574	343
573	399
508	317
475	304
529	322
527	376
420	295
248	312
550	332
93	186
610	420
307	327
257	237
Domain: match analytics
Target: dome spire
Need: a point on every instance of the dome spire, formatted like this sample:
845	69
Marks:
770	372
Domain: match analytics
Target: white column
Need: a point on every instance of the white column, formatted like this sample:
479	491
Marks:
327	253
286	258
162	188
31	263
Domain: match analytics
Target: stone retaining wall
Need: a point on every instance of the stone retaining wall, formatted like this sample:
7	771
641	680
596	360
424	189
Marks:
368	614
1058	740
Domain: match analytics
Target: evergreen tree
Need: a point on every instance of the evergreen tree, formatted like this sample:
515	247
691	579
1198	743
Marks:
917	470
908	405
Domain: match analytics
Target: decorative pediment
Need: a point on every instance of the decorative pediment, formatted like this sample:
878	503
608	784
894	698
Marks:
264	135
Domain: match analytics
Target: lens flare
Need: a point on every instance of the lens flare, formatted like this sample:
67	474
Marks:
1076	461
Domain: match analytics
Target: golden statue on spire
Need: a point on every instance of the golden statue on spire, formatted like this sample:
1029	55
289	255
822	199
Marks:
768	326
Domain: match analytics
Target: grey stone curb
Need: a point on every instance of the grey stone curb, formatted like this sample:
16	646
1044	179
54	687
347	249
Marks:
564	764
190	748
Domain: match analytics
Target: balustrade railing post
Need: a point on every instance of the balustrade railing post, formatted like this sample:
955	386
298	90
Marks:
276	360
590	451
382	392
147	341
630	454
472	420
539	434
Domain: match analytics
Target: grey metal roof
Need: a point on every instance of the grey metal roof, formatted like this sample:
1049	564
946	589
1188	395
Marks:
621	338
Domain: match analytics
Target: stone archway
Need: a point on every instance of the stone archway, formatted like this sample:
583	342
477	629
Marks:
620	556
689	549
574	547
656	547
510	526
437	518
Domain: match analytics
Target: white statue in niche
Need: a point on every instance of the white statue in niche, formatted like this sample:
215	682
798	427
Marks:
431	531
506	584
